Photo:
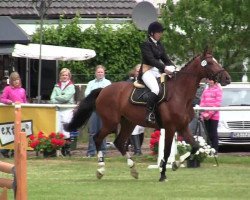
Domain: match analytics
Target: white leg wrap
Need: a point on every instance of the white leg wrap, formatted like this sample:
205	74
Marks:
101	170
101	164
130	162
99	154
183	157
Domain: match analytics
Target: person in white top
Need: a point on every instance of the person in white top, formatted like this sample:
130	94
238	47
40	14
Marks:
95	122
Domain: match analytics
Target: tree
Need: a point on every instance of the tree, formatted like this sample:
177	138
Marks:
116	49
223	25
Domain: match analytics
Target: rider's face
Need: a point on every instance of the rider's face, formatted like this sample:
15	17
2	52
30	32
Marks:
157	36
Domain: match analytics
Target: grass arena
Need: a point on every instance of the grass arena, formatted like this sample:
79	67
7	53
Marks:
75	178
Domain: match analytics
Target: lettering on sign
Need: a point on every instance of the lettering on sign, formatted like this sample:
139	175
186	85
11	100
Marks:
7	131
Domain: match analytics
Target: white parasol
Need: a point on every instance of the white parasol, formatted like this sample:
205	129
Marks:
50	52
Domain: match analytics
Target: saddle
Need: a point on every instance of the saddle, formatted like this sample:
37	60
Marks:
139	93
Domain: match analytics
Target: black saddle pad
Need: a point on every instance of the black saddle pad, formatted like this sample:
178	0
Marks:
139	95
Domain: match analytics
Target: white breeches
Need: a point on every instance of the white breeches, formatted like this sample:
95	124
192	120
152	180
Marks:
138	130
150	80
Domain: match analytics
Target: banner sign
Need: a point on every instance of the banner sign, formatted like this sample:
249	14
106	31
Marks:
34	119
7	131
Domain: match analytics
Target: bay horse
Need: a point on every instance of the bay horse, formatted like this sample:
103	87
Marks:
175	112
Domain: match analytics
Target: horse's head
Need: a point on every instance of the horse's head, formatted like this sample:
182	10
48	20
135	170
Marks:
213	70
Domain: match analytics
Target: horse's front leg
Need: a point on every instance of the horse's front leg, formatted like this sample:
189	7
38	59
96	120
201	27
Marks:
167	150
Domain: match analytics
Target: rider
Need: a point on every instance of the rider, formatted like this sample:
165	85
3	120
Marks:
154	62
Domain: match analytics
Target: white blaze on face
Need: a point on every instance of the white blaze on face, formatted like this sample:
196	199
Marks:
215	60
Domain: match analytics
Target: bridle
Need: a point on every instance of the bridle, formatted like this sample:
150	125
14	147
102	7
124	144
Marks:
204	63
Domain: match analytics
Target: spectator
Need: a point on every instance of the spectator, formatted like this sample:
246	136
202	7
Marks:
11	94
196	101
14	92
63	93
137	136
95	122
4	83
211	97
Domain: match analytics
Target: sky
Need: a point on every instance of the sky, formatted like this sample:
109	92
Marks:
155	2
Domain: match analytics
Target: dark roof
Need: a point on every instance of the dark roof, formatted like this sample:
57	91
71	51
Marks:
11	33
23	9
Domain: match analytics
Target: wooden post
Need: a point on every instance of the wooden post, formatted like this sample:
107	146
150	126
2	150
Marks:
20	145
4	195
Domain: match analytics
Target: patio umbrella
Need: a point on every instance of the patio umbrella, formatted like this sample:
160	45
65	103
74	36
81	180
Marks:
50	52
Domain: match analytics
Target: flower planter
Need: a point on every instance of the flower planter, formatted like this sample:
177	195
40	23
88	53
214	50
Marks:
193	163
50	154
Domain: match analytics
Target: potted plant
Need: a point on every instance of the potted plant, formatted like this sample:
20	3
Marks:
47	144
203	152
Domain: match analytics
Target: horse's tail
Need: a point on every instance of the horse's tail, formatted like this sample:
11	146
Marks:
83	111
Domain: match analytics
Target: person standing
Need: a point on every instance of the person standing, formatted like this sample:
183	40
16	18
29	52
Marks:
137	135
95	122
63	93
211	97
154	62
193	125
4	83
13	93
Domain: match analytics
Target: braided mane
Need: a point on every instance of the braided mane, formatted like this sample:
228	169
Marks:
189	62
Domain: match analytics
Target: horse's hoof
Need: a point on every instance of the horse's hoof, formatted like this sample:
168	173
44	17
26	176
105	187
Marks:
175	165
163	178
134	173
99	174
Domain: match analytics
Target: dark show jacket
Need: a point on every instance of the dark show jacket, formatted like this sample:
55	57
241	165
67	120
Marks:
152	54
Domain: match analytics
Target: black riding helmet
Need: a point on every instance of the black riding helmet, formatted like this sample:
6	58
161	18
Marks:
155	27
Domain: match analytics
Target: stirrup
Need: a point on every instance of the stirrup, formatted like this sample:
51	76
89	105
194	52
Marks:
151	118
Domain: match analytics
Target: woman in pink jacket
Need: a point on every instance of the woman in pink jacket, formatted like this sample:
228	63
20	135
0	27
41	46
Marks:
14	92
211	97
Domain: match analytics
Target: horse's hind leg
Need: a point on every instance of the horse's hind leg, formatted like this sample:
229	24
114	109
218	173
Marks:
98	138
188	137
120	143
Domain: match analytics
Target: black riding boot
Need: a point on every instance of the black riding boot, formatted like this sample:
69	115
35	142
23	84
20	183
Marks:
151	101
137	145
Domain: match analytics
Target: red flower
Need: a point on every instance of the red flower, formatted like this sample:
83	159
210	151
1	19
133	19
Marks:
154	141
32	137
34	143
52	135
42	142
61	136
